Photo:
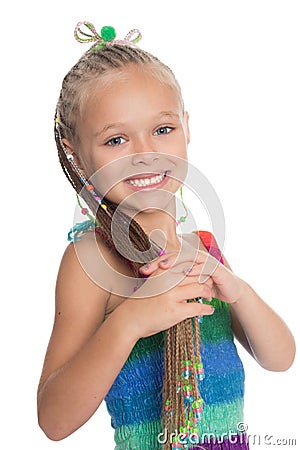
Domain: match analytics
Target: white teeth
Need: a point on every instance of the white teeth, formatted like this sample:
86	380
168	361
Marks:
147	181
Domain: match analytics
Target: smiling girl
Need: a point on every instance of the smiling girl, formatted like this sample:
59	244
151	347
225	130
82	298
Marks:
122	136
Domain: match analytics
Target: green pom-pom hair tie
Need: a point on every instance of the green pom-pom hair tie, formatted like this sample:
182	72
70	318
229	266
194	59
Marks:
85	32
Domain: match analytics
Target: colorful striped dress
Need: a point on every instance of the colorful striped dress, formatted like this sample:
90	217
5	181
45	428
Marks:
134	401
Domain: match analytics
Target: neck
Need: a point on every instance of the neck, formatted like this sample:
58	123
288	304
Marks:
161	227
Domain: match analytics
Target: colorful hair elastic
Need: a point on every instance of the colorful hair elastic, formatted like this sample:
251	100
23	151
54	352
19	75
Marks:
106	37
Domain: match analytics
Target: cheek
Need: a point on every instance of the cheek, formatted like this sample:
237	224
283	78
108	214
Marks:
179	148
107	174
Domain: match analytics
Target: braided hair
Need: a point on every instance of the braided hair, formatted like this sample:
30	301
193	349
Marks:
182	341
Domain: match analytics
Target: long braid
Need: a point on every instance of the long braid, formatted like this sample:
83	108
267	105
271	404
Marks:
77	85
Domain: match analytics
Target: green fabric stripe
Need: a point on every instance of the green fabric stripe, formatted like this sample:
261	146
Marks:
216	327
213	329
217	420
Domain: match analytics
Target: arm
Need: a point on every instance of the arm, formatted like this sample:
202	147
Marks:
84	354
260	330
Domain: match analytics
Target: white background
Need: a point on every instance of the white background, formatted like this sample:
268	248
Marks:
238	64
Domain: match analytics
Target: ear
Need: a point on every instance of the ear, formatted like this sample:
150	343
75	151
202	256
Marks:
70	150
186	126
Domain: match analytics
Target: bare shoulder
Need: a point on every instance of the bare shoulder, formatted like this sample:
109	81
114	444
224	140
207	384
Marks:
75	274
81	301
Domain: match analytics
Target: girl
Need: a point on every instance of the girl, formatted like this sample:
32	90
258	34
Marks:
122	135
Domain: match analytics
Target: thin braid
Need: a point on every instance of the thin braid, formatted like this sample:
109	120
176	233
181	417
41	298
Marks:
176	364
197	338
167	407
181	357
188	324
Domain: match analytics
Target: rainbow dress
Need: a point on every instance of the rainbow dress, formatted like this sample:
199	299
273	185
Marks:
134	401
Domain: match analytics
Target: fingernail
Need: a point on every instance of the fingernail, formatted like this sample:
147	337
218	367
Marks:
164	261
145	267
187	269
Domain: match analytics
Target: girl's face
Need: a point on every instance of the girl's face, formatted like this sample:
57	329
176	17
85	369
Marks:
134	128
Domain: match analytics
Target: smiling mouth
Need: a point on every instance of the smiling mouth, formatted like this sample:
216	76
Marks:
147	181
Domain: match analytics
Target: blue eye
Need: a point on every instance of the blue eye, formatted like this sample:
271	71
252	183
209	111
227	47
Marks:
115	141
163	130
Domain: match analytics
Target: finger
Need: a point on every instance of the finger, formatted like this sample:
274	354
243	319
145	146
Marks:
202	277
205	278
197	271
197	309
174	258
194	290
170	259
153	265
205	269
187	281
165	261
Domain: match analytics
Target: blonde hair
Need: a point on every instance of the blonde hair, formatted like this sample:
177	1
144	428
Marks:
98	68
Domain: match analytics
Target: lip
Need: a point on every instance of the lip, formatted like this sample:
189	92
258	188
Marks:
149	187
141	176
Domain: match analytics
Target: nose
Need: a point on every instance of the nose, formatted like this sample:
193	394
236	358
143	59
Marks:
143	153
144	157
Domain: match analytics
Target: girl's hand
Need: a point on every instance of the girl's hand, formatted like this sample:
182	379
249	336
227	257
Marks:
225	285
161	302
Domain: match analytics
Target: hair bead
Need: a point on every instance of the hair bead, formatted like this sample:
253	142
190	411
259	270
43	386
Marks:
175	442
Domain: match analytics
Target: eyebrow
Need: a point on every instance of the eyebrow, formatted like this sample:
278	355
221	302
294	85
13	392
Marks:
169	114
108	127
161	115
